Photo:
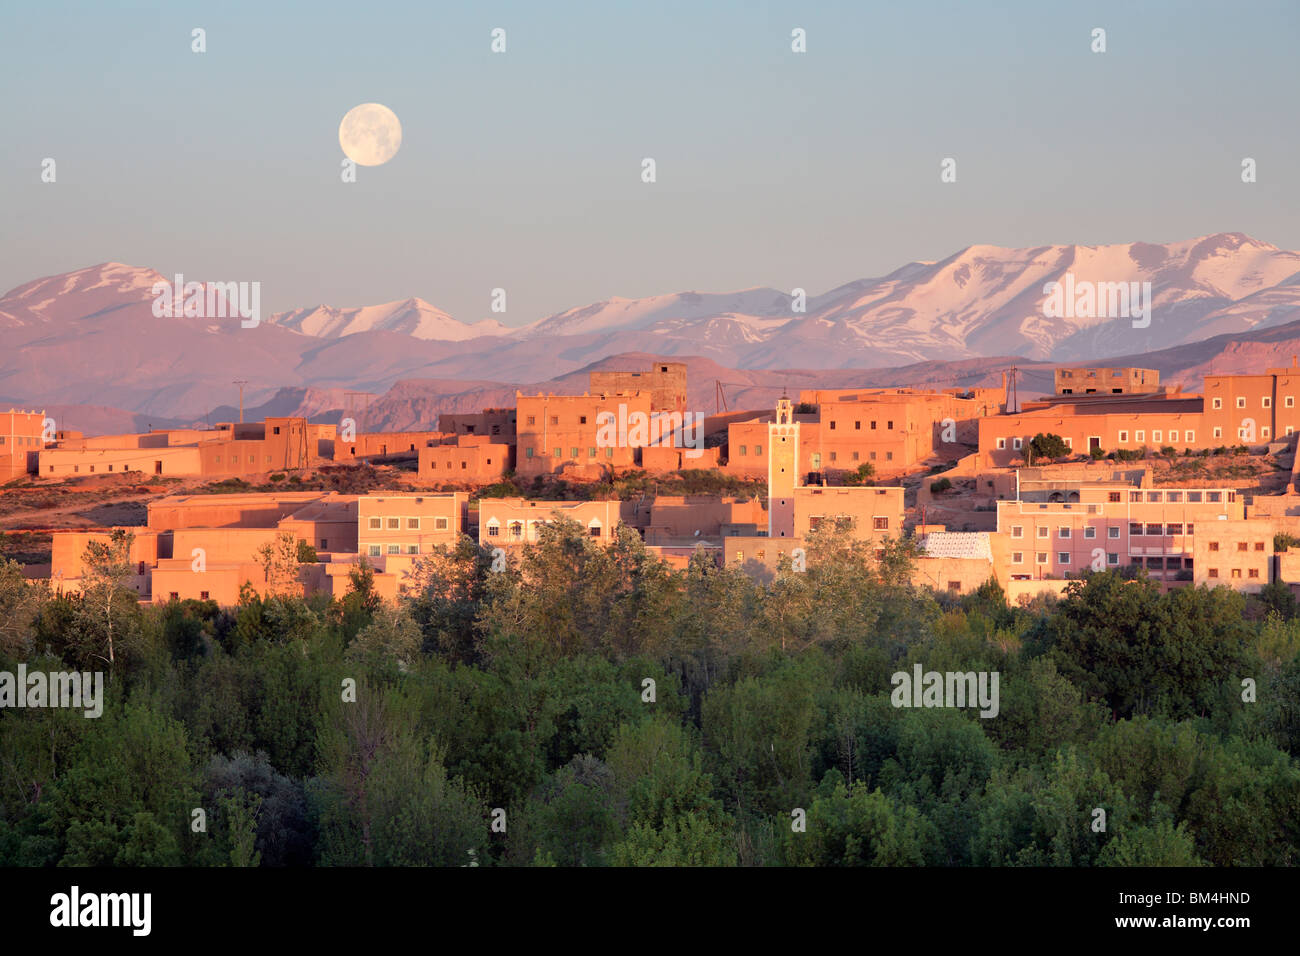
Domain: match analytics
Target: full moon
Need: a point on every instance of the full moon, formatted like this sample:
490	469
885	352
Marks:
370	134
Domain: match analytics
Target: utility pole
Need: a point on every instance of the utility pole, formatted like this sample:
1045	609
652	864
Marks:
241	383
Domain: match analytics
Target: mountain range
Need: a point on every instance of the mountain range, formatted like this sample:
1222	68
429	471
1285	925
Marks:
90	337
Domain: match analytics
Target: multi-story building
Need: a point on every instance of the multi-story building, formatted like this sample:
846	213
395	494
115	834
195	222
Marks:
1252	409
1235	553
511	522
570	434
391	524
1063	528
21	441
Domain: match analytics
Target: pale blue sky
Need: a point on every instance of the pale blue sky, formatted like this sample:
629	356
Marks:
522	170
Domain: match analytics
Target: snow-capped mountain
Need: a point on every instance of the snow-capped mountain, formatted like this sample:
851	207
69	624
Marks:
90	336
414	317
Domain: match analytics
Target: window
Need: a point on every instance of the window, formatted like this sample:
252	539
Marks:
609	453
1002	443
889	456
1217	403
1112	532
954	585
493	529
1253	573
880	524
1214	546
275	430
832	456
1123	437
1154	529
758	449
1218	432
1140	435
1090	532
1213	496
1241	401
872	456
413	524
374	550
1267	402
1113	496
1193	497
1112	557
855	456
528	453
889	426
573	453
1241	546
832	425
1018	531
873	426
857	426
1236	572
324	543
558	453
740	555
1191	436
1156	435
1135	496
1213	573
394	549
532	419
1043	532
516	529
1153	496
375	523
203	595
412	549
582	419
1063	557
1017	557
173	596
1134	528
1040	557
394	524
591	452
440	524
1174	527
555	419
1173	496
1173	435
1016	443
1063	532
1259	545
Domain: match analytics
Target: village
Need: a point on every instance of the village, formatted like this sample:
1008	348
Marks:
1111	471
